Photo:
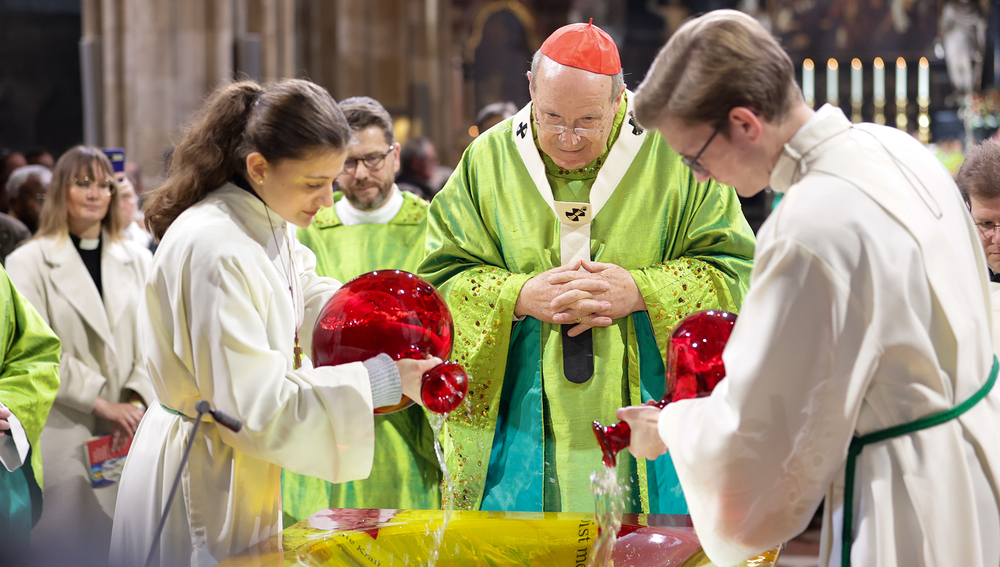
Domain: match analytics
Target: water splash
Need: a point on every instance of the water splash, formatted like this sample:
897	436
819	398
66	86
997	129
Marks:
437	537
609	505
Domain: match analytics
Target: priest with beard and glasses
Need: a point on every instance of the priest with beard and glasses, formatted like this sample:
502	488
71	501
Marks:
568	242
372	225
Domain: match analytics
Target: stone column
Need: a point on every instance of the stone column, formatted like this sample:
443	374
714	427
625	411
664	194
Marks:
92	74
399	53
317	25
159	59
430	42
113	59
175	52
273	21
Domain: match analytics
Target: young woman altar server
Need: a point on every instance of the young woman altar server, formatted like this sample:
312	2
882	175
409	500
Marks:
231	299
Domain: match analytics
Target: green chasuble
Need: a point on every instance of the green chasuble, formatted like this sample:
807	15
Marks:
405	472
29	380
526	441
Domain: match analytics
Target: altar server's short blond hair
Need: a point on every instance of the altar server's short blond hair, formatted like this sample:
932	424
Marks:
712	64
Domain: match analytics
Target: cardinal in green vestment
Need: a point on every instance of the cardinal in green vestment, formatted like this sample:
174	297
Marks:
568	243
371	226
29	380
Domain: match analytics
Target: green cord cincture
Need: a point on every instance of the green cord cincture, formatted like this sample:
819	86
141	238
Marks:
859	443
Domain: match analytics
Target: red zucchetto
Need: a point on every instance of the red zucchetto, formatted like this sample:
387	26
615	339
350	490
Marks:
584	46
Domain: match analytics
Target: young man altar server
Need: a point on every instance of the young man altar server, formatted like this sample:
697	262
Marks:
568	242
861	367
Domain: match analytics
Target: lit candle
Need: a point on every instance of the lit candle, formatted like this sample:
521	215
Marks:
808	82
856	84
900	79
879	79
923	81
832	82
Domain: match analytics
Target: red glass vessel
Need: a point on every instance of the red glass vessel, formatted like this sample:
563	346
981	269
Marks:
397	313
695	367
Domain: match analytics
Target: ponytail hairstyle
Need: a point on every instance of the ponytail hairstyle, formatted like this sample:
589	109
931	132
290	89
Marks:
290	119
77	163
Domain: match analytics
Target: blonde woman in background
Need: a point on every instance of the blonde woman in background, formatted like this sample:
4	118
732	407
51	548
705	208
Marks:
86	281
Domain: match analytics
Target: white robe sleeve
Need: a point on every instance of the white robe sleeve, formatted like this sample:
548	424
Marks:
773	435
315	421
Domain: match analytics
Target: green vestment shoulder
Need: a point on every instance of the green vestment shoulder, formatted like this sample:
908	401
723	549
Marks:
405	473
29	380
345	252
685	243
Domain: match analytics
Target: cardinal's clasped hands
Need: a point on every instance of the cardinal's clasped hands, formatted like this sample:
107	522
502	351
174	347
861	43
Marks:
590	294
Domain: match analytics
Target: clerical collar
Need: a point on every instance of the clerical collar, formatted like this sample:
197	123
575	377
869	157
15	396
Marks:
590	170
85	243
90	252
350	215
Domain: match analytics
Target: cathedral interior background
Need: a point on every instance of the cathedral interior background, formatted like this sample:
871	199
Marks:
125	74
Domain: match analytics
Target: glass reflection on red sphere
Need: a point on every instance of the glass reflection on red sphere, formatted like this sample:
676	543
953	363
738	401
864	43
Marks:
694	369
386	311
444	387
695	354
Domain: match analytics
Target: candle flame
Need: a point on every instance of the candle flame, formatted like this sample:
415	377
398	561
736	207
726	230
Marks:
807	64
832	64
901	63
878	63
856	63
923	62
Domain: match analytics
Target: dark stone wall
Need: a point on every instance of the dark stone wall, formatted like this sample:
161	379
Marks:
40	95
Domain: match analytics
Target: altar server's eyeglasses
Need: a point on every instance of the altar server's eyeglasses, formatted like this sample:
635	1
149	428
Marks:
373	163
693	162
987	228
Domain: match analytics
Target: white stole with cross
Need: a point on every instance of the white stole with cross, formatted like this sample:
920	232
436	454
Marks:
575	218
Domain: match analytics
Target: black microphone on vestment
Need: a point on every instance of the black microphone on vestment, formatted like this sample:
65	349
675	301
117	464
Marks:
221	418
225	420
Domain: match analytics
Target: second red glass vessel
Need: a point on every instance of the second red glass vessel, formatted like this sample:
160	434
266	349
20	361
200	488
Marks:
694	368
397	313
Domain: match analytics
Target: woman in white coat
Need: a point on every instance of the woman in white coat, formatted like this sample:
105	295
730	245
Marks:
230	305
86	281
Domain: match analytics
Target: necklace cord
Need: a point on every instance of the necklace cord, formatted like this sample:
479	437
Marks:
288	276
